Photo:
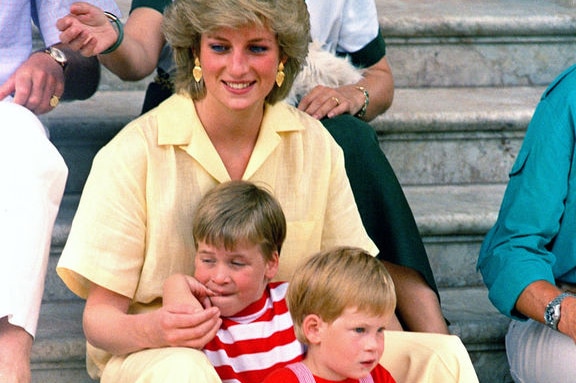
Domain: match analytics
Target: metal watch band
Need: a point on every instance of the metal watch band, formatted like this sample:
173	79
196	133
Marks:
552	312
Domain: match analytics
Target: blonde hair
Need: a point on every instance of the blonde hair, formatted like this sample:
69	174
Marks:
331	281
185	21
238	211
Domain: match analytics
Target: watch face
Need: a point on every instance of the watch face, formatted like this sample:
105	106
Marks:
549	315
552	315
58	55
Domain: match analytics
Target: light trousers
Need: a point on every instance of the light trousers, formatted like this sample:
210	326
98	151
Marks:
33	176
537	353
410	357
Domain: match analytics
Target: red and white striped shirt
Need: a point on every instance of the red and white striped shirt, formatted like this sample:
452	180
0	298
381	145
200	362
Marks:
256	341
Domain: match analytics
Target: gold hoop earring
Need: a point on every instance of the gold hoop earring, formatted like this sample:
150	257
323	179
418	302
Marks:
280	75
197	71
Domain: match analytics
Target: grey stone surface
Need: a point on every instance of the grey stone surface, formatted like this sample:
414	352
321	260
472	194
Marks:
455	135
477	43
413	18
455	209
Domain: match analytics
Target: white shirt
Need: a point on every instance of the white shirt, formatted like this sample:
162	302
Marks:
343	26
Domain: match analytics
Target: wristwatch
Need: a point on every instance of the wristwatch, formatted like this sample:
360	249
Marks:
58	56
552	313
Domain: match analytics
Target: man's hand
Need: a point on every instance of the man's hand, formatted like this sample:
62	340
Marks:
35	82
15	348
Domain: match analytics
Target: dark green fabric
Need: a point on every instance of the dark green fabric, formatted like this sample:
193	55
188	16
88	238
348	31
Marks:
381	202
158	5
370	54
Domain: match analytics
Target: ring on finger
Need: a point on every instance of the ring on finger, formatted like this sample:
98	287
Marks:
54	101
335	99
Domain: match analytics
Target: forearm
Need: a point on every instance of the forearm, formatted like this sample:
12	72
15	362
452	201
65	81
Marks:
418	306
379	82
139	52
130	62
114	331
533	300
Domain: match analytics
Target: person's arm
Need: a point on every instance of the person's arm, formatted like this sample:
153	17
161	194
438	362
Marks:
88	30
519	254
109	326
184	290
377	81
40	78
417	304
533	300
359	37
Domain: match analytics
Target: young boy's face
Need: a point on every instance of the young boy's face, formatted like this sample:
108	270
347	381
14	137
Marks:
352	345
237	276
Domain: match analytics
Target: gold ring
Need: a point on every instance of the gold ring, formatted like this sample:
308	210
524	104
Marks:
54	101
335	100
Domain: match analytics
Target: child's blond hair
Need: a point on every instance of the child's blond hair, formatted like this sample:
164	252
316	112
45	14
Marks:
238	211
331	281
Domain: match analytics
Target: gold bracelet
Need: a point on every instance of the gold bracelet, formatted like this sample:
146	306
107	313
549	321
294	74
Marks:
362	112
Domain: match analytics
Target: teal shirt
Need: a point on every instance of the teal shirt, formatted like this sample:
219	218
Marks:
534	237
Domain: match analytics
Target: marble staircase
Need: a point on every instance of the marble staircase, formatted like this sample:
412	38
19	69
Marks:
468	77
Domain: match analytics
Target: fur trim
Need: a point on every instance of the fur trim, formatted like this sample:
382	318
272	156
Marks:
322	68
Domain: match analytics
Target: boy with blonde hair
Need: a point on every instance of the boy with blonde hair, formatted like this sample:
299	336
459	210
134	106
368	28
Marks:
340	301
238	231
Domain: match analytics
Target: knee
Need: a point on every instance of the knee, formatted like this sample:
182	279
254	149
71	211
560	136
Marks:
25	146
173	364
19	121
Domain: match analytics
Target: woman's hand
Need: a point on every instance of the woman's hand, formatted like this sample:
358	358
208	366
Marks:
109	326
183	326
328	102
323	102
87	29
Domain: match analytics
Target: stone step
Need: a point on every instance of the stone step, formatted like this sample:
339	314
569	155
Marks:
453	221
58	354
436	136
478	43
430	136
